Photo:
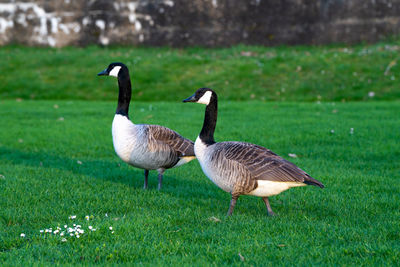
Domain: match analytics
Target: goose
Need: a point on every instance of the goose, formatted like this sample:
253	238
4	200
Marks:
241	168
149	147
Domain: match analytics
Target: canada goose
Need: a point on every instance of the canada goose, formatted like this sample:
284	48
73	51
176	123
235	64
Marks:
149	147
242	168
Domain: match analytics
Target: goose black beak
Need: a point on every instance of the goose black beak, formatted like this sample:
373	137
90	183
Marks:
104	72
190	99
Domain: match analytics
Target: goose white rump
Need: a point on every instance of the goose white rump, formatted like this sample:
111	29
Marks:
270	188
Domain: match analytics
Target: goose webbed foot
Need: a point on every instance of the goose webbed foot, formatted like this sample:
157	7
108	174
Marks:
146	176
232	205
269	209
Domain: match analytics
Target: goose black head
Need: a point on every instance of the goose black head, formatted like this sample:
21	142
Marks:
114	69
202	96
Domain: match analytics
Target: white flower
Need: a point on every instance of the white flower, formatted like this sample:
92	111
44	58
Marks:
87	217
214	219
65	226
64	240
332	131
62	234
72	217
41	231
292	155
71	234
371	94
112	232
77	236
106	215
90	227
110	228
56	232
351	130
22	235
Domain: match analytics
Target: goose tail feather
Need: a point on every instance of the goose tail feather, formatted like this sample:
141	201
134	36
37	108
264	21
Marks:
312	181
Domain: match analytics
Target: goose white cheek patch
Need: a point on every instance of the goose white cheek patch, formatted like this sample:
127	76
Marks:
205	99
114	72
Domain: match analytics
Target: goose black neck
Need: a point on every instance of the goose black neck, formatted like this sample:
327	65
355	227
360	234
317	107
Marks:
210	121
125	91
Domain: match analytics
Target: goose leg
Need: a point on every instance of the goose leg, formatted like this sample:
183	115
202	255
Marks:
269	209
160	177
146	176
232	205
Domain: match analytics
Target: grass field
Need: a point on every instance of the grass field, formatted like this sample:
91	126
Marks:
57	160
327	73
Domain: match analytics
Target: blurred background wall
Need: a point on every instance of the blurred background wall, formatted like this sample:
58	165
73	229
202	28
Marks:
197	22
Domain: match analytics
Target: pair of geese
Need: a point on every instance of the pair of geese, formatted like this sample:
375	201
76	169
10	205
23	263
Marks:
236	167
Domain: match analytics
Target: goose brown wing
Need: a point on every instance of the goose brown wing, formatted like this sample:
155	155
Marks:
264	164
183	147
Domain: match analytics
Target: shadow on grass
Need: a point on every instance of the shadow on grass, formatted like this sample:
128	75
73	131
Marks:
179	188
98	169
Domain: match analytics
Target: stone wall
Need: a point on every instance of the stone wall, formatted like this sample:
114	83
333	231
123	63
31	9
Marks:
197	22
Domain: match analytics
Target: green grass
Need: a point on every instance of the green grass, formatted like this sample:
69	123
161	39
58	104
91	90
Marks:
353	221
57	159
302	73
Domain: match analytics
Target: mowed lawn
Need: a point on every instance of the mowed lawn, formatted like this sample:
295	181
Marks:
57	160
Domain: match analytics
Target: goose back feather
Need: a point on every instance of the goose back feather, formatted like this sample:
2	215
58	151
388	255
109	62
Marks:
239	167
149	147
